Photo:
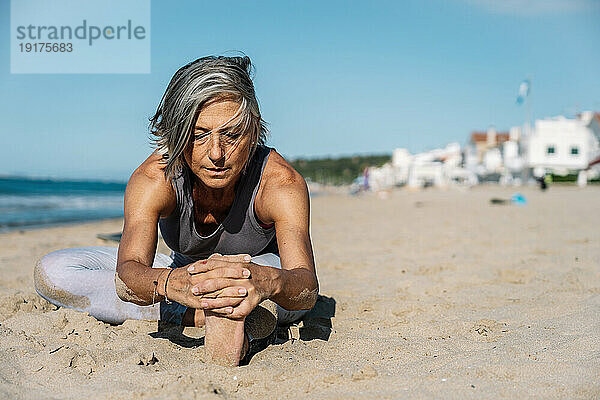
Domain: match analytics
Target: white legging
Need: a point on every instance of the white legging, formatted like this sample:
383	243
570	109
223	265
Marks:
83	278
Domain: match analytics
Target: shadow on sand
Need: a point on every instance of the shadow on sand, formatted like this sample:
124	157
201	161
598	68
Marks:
179	335
315	325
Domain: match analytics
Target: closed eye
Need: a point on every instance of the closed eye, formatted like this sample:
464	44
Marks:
232	135
201	136
227	135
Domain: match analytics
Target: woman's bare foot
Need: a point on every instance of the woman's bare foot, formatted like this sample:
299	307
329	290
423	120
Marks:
224	340
227	341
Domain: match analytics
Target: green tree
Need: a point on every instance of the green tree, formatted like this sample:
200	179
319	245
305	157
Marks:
337	171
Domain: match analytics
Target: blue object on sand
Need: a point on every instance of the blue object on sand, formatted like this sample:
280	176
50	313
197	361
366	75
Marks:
518	199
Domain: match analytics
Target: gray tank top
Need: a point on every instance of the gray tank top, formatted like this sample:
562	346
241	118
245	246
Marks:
240	231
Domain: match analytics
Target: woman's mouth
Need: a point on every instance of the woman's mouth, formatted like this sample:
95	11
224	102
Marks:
216	171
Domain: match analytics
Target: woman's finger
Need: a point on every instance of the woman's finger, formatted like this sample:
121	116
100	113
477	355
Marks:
226	292
224	310
231	257
211	264
220	303
232	272
212	285
199	267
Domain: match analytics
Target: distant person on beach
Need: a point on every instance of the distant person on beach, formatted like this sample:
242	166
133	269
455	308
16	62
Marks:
234	213
544	181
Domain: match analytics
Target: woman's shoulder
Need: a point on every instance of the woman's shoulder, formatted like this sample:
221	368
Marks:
152	167
149	181
279	173
280	182
282	193
150	172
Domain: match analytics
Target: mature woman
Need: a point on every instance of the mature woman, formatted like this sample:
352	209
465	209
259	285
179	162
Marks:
234	212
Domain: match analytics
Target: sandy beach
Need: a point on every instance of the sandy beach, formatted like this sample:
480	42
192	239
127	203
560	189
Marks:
431	294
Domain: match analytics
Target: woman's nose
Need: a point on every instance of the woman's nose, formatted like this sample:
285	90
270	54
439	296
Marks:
215	152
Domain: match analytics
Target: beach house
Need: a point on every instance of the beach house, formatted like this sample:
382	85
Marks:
561	146
438	167
483	142
495	155
594	126
401	162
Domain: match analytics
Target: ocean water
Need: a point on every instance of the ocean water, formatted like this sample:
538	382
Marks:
30	203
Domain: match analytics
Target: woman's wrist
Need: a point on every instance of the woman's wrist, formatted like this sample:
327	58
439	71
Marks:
166	286
275	280
161	281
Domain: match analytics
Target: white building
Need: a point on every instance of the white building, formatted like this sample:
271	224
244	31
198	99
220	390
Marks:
560	145
511	152
493	154
401	161
593	124
438	167
426	173
382	178
481	142
492	160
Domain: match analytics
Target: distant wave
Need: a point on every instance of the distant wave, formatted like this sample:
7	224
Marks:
12	203
14	185
40	202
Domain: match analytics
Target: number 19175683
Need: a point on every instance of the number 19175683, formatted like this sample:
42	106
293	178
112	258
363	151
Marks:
41	47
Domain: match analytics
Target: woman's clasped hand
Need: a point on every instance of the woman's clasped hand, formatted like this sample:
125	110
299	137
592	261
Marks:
220	283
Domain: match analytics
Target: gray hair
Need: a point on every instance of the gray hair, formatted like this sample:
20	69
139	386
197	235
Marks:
192	87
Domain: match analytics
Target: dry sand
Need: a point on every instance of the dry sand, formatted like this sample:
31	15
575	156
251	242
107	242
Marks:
433	294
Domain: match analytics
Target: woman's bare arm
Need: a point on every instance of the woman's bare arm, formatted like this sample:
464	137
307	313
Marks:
285	201
148	196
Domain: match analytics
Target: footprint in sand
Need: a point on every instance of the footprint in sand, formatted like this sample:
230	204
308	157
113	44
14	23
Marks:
488	330
26	302
434	269
70	357
367	372
514	276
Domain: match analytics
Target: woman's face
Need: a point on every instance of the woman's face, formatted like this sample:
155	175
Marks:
217	154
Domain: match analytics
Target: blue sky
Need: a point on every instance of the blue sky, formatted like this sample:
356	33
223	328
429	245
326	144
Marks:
333	78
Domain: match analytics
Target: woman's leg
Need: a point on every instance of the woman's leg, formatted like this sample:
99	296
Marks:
83	278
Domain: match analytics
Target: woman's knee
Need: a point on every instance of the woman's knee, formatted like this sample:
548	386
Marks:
56	273
47	277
